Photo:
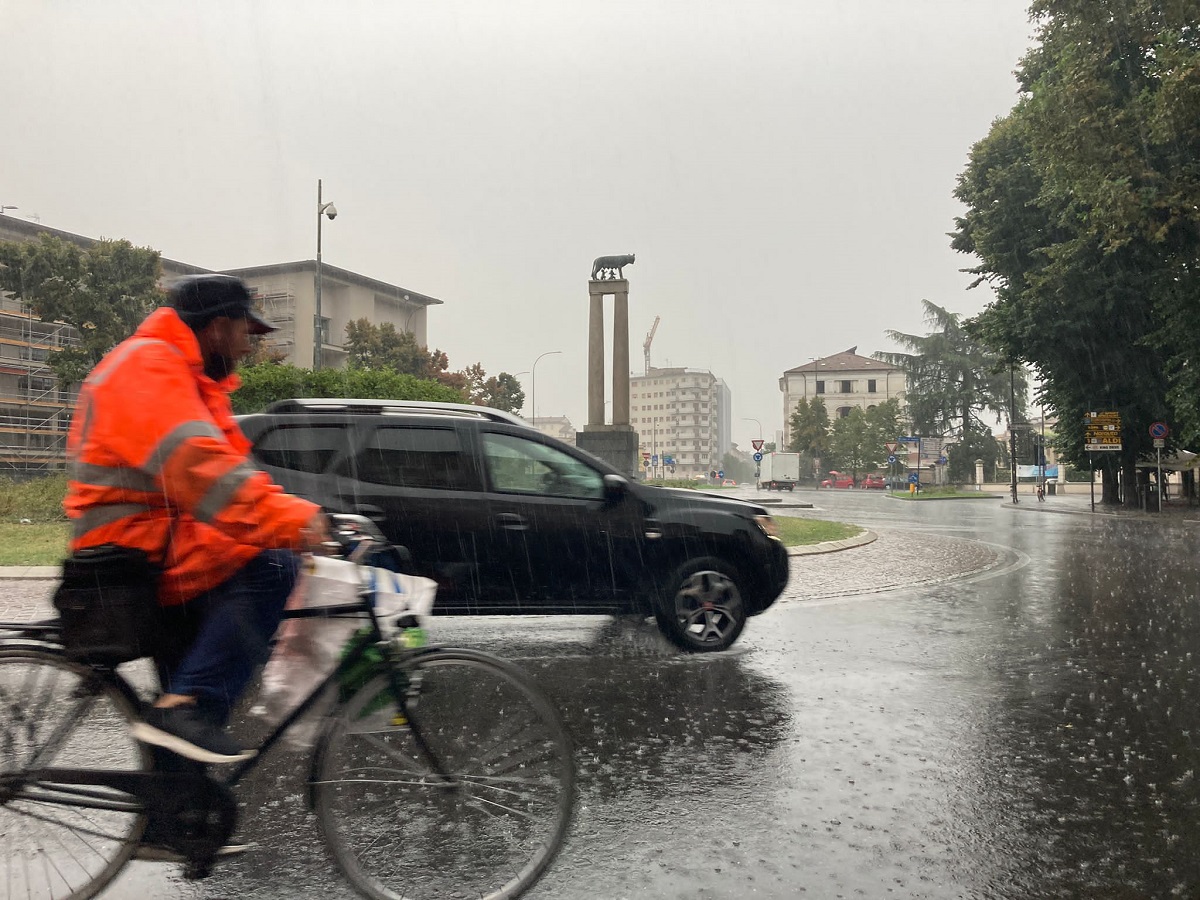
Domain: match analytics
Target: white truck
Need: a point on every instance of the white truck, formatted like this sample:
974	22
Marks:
779	471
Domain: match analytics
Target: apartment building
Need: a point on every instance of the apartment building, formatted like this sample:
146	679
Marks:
287	294
35	411
684	414
843	381
558	427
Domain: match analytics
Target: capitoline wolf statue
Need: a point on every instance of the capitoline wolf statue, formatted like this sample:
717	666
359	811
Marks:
608	268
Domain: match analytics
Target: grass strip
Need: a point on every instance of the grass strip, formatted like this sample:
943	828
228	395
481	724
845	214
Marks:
797	532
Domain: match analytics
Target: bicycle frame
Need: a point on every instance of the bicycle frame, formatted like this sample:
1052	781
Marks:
46	636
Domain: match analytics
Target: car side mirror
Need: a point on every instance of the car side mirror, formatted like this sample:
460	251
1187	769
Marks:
614	488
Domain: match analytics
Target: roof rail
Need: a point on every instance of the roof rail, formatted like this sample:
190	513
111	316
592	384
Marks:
382	407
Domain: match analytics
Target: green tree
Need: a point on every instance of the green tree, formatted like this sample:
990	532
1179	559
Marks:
370	346
952	377
104	291
1084	209
504	392
851	444
809	427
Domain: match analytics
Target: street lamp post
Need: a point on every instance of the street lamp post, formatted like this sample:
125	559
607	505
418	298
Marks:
3	208
323	209
533	383
1012	430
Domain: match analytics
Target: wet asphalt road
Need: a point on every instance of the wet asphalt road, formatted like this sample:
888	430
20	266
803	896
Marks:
985	702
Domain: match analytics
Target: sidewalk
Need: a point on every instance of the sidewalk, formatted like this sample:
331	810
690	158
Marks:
1175	512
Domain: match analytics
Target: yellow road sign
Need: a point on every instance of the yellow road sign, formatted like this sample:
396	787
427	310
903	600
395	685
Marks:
1102	431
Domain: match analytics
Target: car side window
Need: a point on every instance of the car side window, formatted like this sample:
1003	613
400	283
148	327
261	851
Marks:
301	448
520	466
415	458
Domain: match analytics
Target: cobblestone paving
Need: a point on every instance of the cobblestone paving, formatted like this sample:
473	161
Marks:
25	600
898	559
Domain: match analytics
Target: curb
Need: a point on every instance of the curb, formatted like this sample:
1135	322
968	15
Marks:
22	573
859	540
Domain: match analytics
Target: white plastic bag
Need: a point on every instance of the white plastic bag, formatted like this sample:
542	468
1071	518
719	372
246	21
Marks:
307	650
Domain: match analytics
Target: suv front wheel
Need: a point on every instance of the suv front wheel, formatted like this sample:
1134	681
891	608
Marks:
700	606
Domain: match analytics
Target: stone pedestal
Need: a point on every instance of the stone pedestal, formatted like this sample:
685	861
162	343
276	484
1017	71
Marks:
617	445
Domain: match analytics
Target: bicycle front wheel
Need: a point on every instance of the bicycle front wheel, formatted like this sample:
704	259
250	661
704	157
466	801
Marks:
63	842
398	830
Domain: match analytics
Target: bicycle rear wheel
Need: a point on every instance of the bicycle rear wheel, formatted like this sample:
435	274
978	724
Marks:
54	712
398	831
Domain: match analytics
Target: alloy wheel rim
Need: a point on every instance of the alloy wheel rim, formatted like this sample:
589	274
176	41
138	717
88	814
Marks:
708	607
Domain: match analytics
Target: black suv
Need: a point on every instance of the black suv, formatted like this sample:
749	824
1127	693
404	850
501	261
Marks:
510	521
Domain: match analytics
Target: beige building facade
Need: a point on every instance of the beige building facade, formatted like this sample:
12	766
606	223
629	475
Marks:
843	381
287	294
680	413
558	427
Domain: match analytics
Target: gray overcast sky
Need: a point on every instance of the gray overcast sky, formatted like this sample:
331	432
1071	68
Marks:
783	170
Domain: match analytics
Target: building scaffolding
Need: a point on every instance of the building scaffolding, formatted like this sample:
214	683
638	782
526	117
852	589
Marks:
35	413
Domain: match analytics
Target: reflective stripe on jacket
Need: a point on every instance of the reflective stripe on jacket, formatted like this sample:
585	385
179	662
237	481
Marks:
158	463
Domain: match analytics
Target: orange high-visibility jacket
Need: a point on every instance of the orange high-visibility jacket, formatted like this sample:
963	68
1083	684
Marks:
158	463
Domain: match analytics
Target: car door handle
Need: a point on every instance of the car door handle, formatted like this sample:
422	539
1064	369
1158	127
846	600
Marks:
512	522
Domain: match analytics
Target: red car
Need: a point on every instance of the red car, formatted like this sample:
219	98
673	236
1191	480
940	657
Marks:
838	480
872	483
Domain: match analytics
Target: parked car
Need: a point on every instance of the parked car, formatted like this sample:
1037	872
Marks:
838	480
872	483
510	521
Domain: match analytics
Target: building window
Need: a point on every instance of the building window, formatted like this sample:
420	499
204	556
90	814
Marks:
871	389
844	387
843	411
820	387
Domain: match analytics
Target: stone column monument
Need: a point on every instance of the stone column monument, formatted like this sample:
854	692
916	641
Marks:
614	442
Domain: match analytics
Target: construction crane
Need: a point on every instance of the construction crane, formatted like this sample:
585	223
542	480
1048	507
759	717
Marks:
648	341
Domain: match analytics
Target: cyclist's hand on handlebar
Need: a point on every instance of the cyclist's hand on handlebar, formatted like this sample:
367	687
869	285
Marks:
315	536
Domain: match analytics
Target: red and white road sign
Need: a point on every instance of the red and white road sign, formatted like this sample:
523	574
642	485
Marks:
892	446
757	445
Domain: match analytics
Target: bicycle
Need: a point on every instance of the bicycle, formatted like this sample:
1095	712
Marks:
438	771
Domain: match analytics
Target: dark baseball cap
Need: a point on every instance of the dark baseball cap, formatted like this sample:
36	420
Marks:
201	298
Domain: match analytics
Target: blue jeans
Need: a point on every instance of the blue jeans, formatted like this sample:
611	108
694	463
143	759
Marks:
220	638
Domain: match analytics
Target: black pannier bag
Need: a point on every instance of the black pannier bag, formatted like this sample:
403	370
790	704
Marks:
108	603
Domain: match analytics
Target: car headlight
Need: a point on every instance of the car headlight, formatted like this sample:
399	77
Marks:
767	524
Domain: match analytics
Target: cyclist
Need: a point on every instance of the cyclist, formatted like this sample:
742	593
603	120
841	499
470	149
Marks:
159	464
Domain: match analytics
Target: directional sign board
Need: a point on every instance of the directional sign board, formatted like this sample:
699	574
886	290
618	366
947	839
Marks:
757	445
1102	431
654	460
931	450
758	457
721	474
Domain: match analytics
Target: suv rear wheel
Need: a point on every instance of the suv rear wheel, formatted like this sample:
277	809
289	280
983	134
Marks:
700	606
